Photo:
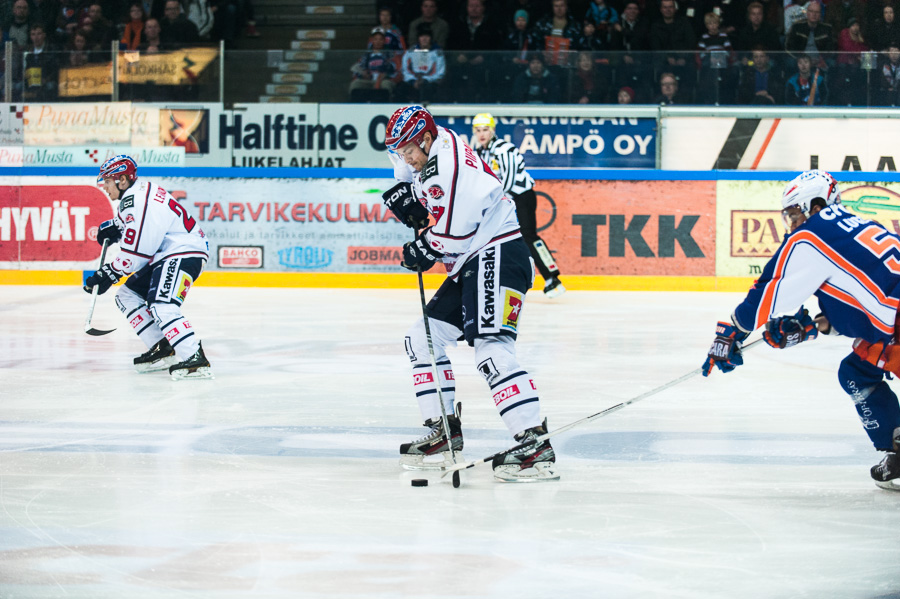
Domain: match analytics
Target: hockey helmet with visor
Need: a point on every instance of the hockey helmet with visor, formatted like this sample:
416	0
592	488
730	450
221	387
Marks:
408	125
799	195
118	165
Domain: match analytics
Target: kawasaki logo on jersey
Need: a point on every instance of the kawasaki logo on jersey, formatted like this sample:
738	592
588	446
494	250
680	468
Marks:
430	169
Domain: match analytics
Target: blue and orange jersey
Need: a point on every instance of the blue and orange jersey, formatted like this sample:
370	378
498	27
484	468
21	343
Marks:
852	265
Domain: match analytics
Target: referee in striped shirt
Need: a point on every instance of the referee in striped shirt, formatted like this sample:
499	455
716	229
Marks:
506	162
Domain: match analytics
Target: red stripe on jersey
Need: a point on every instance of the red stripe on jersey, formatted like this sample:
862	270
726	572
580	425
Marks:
124	251
768	298
453	236
848	299
452	184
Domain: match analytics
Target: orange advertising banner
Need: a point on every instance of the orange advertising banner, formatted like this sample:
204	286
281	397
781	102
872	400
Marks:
629	227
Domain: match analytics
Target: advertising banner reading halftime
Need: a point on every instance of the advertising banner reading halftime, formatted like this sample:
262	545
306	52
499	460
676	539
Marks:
629	227
789	144
561	142
749	227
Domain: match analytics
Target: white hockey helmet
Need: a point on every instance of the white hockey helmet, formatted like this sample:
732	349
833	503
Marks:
809	186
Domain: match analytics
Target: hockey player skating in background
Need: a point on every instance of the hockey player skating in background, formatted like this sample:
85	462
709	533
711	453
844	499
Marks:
506	162
476	236
164	250
852	266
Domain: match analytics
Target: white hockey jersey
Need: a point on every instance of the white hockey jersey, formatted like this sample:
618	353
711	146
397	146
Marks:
466	199
155	226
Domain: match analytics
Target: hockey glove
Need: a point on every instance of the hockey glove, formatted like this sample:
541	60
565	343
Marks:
725	352
104	278
408	210
418	253
788	331
108	229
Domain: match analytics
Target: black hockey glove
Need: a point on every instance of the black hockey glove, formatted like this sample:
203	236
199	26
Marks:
108	229
725	352
408	210
104	278
788	331
418	254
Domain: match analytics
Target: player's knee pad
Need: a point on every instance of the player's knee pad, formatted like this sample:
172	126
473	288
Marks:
495	357
443	335
858	378
127	300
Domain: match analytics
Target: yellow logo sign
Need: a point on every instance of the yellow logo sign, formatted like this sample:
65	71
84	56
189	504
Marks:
874	203
756	233
512	308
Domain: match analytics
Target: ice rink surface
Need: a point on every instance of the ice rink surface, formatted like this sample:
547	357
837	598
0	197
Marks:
280	479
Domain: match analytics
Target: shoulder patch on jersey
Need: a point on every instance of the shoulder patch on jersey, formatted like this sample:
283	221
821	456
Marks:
126	203
436	192
430	169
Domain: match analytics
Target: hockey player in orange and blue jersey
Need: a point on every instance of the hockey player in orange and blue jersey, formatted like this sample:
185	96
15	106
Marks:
852	266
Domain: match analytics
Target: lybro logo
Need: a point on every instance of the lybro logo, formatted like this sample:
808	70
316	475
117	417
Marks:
51	223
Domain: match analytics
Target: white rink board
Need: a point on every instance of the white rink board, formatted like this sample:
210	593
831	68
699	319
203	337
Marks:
279	478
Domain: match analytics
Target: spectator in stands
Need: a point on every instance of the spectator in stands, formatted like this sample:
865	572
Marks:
889	88
472	37
131	37
591	40
839	12
375	74
558	33
100	31
812	37
66	20
668	89
850	44
536	85
760	82
885	31
18	31
440	30
78	52
629	38
603	17
177	30
714	58
848	82
201	14
423	68
755	33
807	87
152	40
393	37
625	95
520	40
590	83
41	67
673	38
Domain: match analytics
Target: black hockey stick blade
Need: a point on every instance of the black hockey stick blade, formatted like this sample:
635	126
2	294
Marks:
97	332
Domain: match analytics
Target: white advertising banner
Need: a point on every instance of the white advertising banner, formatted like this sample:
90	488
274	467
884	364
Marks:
789	144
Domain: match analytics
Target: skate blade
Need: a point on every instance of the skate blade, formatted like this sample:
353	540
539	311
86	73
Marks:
437	461
889	485
539	473
203	372
555	292
157	366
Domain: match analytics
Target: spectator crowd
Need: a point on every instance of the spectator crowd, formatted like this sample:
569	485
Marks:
48	35
762	52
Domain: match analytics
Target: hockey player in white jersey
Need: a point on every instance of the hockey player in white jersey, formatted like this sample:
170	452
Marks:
162	251
476	237
506	162
852	266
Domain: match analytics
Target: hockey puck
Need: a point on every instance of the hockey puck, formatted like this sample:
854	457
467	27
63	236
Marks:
419	482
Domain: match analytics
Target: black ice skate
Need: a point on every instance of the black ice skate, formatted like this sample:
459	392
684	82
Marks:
534	463
159	357
554	287
429	452
886	474
195	367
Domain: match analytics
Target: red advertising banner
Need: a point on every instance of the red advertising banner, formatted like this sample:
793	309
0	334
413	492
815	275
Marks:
629	227
56	223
